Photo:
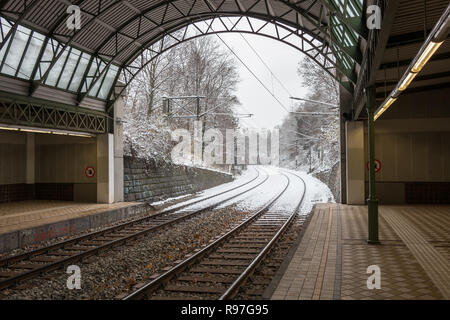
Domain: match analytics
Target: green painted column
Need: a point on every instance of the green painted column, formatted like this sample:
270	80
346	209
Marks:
372	201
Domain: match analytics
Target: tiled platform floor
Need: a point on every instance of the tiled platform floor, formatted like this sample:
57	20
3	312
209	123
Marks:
332	259
27	214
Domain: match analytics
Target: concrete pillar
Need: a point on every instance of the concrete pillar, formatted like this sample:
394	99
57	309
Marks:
345	111
118	150
372	202
31	158
105	168
355	162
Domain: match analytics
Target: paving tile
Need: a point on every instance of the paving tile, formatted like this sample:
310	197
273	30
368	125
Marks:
405	274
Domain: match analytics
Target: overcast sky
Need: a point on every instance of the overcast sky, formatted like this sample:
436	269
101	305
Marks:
282	60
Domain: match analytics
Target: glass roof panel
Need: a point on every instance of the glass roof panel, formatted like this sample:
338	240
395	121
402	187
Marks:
20	58
56	70
108	82
13	58
340	30
31	56
69	69
81	68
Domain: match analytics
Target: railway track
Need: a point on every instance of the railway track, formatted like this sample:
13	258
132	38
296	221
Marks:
220	269
19	268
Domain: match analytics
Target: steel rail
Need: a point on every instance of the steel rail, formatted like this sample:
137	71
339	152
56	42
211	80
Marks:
8	262
155	284
241	280
13	259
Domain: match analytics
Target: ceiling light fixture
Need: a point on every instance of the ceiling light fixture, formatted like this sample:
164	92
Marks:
435	40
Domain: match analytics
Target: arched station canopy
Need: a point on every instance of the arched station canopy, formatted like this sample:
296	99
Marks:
39	49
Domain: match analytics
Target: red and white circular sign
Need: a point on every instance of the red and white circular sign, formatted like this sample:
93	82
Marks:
89	172
377	166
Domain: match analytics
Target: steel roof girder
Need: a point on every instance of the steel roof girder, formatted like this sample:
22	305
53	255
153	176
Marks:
354	24
354	55
346	84
182	25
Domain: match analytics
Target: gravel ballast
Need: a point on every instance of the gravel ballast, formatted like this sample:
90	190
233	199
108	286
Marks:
117	271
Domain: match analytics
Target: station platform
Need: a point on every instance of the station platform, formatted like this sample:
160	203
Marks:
28	222
332	256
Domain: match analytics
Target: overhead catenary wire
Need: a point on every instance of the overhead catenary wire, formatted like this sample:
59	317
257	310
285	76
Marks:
253	74
265	64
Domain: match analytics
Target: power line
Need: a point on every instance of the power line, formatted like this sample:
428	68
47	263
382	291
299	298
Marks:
265	64
254	75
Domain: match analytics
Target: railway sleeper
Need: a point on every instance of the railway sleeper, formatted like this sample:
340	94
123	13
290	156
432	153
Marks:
203	278
216	270
45	259
237	240
241	250
9	274
232	256
194	289
238	244
25	266
219	262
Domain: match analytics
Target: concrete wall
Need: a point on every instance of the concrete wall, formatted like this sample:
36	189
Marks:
63	159
43	165
147	182
412	143
12	157
13	167
355	163
413	156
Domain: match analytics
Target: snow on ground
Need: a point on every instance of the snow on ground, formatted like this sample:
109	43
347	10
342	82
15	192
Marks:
202	165
159	203
238	192
316	191
246	176
258	197
289	201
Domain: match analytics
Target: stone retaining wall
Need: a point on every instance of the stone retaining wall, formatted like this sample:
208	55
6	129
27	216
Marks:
332	179
148	182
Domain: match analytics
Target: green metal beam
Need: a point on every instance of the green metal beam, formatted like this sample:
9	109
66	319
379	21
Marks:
373	54
355	56
22	111
356	24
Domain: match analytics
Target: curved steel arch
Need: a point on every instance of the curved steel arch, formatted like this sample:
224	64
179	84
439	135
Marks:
313	18
140	15
324	50
131	70
194	17
319	32
187	18
319	48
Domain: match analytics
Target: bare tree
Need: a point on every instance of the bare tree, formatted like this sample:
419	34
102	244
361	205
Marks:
312	141
196	68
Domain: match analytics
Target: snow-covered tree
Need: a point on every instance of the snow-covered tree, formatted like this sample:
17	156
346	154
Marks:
198	67
311	142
